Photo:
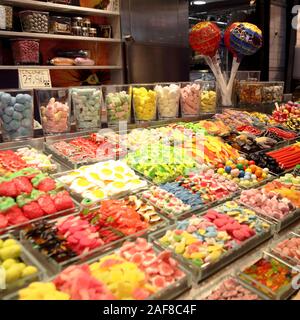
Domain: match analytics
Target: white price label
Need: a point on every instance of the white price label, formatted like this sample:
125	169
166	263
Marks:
34	78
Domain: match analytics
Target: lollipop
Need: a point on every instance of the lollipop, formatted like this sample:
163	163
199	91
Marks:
205	38
241	39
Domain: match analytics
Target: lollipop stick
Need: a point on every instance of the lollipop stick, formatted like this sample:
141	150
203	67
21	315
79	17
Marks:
234	69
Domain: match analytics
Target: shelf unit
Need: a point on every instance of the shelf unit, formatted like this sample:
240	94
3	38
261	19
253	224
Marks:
112	46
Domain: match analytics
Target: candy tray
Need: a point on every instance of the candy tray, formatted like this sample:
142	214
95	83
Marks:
28	259
283	294
280	224
208	289
291	261
206	270
80	198
53	266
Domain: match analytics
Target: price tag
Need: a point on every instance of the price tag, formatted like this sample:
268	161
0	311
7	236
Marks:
34	78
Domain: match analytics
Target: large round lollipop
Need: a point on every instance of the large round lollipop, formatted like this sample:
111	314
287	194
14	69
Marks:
245	39
205	38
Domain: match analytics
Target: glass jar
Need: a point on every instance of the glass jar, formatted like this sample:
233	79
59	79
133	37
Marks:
34	21
85	32
208	96
25	51
77	22
168	97
117	103
92	32
190	99
54	106
16	114
86	23
86	102
60	25
76	31
144	102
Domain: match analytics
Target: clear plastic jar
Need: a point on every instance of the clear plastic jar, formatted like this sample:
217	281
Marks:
190	99
208	97
60	25
117	102
86	102
168	97
54	106
16	114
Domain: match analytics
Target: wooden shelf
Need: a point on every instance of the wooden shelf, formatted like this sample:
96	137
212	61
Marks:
56	7
56	36
62	67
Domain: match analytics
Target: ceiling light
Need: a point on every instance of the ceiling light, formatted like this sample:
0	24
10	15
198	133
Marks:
199	3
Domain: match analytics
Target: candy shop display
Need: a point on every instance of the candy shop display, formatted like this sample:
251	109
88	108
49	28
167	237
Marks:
13	161
55	110
208	97
90	149
144	103
250	93
128	215
272	92
87	107
288	249
134	272
200	189
166	202
287	186
16	114
102	180
117	101
160	163
202	241
230	289
288	115
168	97
29	194
279	134
16	265
34	21
190	103
234	118
270	276
268	204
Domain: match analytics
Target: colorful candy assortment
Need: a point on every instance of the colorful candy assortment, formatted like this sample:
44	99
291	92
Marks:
10	162
13	265
55	116
269	204
135	271
37	159
231	289
289	249
190	99
244	172
271	276
166	201
204	240
198	189
94	148
118	106
102	180
288	114
29	194
287	186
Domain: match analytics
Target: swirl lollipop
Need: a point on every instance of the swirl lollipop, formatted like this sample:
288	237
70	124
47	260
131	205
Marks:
241	39
205	38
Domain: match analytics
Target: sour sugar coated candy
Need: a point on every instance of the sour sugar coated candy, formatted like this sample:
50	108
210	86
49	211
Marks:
168	100
144	104
190	99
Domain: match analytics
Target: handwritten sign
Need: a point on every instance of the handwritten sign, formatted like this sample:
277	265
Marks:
34	78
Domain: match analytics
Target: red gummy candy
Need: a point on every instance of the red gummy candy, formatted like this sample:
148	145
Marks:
33	210
47	204
46	185
8	189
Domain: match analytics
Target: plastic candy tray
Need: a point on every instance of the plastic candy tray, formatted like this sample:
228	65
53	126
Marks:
206	270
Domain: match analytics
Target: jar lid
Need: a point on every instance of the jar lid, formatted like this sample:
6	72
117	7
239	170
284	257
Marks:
77	18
